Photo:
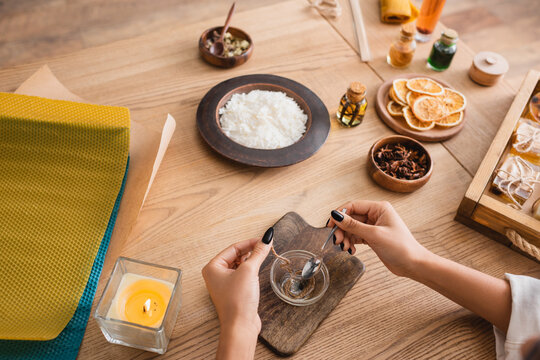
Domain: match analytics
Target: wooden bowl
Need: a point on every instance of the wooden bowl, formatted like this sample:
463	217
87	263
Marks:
389	182
400	126
224	61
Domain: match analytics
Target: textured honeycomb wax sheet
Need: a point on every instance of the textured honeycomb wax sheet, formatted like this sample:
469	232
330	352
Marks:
61	170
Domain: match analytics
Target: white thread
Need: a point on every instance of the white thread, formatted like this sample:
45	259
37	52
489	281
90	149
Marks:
525	178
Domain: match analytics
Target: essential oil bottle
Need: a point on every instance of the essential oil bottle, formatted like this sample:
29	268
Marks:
402	49
352	106
443	51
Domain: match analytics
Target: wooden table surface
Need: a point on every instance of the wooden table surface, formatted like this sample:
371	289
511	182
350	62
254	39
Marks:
201	202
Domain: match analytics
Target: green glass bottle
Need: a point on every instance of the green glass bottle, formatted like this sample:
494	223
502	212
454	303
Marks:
443	51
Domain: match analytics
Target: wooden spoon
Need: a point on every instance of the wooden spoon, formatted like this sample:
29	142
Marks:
218	47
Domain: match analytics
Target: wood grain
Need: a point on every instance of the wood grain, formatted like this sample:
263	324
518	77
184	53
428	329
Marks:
500	26
285	327
200	203
479	204
486	106
32	30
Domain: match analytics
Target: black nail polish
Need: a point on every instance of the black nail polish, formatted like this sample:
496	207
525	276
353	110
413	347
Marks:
341	246
268	236
350	251
327	221
337	216
334	238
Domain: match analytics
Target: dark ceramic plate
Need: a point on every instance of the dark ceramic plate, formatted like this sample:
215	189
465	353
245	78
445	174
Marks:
317	127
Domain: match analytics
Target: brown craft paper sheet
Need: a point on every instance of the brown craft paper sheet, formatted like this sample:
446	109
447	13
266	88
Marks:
146	152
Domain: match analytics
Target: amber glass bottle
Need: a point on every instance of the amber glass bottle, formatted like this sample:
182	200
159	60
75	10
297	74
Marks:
352	106
534	107
402	50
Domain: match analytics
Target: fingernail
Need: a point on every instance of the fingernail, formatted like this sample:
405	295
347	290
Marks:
341	246
334	239
268	235
350	251
337	216
327	221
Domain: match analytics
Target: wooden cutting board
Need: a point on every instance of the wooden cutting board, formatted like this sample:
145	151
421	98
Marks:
286	327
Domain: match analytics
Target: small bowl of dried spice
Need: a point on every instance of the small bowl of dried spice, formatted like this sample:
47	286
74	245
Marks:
399	163
237	47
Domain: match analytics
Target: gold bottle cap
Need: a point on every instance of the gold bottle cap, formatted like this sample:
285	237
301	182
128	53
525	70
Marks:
408	29
356	92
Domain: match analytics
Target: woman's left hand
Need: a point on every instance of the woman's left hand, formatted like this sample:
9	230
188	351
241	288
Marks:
232	279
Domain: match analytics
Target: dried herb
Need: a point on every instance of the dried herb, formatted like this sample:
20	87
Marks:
401	162
233	46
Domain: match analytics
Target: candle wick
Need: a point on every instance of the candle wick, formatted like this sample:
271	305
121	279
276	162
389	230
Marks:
146	306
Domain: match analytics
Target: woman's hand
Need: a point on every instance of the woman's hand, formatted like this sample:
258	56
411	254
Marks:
378	225
232	279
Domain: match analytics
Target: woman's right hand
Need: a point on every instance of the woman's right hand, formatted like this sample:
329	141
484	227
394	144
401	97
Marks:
379	226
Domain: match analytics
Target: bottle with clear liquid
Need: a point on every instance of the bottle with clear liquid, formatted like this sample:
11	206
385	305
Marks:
402	50
443	51
352	106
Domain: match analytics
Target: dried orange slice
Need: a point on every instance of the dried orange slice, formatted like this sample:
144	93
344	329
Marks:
394	97
429	108
425	86
414	122
400	89
394	108
451	120
454	101
412	97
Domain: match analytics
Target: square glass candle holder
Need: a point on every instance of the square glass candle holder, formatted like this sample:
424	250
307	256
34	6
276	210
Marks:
131	334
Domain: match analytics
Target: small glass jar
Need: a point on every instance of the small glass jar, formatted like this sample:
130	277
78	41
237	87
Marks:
352	106
443	51
287	283
402	49
122	332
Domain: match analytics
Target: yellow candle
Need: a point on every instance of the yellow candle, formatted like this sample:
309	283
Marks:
141	300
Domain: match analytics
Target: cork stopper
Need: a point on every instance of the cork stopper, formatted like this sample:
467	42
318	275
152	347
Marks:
449	36
356	92
408	29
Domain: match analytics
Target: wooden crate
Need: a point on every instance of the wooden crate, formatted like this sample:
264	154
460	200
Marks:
484	211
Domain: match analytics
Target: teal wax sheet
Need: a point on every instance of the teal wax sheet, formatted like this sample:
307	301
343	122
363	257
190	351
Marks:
66	345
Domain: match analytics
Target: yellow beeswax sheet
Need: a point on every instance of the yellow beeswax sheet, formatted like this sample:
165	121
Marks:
61	169
398	11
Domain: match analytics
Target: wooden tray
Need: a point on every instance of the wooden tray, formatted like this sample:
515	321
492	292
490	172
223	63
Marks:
286	327
484	211
317	127
400	126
